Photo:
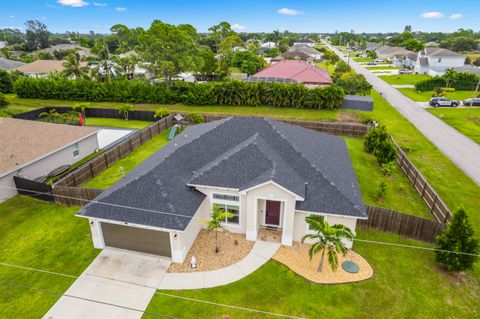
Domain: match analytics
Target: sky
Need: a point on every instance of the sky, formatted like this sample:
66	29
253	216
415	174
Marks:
247	15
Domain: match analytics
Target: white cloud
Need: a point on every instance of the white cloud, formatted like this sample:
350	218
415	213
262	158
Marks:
121	9
432	15
99	4
73	3
11	16
456	16
289	12
238	27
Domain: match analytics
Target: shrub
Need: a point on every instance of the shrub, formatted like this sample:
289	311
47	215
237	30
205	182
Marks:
438	92
382	190
196	119
6	85
354	84
3	101
430	84
161	113
340	69
458	237
385	152
388	168
377	141
461	81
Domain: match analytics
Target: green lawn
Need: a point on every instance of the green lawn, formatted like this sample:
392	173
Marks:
363	59
464	120
119	123
37	234
330	67
381	67
402	79
407	284
112	174
425	96
401	195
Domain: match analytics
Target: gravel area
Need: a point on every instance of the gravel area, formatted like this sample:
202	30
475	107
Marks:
233	248
297	259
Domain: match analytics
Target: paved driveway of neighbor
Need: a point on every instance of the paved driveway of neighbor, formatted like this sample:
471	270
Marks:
117	284
460	149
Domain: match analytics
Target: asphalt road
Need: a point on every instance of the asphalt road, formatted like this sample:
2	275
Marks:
460	149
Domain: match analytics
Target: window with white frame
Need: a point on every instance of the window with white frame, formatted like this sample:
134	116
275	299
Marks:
230	204
76	150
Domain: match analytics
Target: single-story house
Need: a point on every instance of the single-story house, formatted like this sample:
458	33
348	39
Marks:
387	52
82	51
372	46
468	68
6	64
434	61
266	173
305	41
31	149
268	45
432	44
407	59
293	71
41	68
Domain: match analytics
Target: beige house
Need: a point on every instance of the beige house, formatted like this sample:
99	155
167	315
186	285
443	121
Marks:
32	149
266	173
42	68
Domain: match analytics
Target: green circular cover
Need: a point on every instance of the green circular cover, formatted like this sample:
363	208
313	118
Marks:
350	266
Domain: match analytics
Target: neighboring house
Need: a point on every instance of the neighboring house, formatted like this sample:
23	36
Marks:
84	52
32	149
312	52
293	71
434	61
388	53
42	68
264	172
299	52
372	46
407	60
268	45
6	64
432	44
305	41
468	68
3	44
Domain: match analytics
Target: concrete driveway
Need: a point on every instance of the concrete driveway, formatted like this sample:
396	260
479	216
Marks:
117	284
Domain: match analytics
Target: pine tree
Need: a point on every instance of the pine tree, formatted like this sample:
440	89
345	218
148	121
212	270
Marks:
458	237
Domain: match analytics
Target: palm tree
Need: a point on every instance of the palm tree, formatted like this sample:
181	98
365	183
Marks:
105	61
125	66
218	216
125	109
328	239
73	66
449	76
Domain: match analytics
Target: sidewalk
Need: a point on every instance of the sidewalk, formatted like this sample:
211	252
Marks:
261	252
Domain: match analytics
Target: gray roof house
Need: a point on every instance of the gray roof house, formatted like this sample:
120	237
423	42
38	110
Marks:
434	61
266	173
6	64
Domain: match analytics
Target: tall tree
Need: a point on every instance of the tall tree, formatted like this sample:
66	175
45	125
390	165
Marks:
104	65
37	35
408	28
169	50
220	32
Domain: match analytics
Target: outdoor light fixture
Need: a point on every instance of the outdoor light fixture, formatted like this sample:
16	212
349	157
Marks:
175	236
193	263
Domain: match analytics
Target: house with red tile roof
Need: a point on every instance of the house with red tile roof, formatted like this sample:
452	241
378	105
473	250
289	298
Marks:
293	71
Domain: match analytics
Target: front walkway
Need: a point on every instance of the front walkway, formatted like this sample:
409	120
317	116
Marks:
261	252
117	284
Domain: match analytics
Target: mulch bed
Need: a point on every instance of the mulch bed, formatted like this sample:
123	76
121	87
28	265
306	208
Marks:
233	248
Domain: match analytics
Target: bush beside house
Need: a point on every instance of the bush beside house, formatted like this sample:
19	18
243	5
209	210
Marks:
212	93
462	81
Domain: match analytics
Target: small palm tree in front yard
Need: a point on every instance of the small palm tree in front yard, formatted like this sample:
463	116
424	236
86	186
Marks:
218	216
125	109
328	240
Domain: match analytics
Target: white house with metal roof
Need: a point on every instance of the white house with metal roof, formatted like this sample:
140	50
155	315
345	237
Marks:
266	173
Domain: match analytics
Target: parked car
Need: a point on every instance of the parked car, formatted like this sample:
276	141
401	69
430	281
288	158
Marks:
405	71
379	60
468	102
371	63
441	101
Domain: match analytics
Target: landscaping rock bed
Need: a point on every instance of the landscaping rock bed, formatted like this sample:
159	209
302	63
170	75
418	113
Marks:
297	259
233	248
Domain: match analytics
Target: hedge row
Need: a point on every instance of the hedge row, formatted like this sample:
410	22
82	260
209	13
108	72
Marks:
462	81
211	93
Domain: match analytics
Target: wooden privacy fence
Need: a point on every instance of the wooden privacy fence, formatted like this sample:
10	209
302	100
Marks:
335	128
75	196
101	162
399	223
437	206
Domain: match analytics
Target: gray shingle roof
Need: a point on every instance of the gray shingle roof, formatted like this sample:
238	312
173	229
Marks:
6	64
239	153
439	52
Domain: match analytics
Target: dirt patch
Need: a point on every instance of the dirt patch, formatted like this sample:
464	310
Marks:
233	248
297	259
349	117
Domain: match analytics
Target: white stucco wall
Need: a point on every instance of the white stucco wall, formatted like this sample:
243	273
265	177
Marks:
446	62
45	165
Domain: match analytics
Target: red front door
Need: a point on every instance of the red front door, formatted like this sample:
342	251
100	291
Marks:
272	214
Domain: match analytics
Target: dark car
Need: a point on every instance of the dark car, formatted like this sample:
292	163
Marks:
468	102
371	63
441	101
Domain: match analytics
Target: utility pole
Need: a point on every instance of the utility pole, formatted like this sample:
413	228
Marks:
474	96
